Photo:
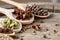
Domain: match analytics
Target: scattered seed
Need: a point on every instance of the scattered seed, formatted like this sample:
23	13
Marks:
41	21
55	31
21	38
44	36
57	24
46	29
34	31
36	27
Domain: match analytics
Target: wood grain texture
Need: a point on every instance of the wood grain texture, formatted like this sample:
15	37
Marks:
48	24
32	1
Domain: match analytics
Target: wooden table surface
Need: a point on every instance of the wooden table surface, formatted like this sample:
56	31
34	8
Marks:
49	23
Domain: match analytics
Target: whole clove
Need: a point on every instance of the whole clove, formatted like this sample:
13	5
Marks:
21	14
36	27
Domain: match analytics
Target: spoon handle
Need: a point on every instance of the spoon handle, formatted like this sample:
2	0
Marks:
3	10
19	5
6	12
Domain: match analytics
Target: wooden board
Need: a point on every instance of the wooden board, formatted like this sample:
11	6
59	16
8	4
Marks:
49	23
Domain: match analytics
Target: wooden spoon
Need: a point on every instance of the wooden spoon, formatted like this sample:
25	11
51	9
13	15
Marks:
19	5
7	13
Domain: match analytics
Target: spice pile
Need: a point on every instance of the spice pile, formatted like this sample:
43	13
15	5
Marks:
21	14
29	10
9	23
37	10
6	30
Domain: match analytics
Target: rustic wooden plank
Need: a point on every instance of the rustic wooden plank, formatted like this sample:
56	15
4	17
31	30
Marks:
57	7
30	35
54	18
49	24
46	5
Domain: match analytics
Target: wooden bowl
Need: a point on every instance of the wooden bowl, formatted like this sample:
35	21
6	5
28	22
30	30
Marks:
12	34
14	30
42	16
28	21
24	21
6	36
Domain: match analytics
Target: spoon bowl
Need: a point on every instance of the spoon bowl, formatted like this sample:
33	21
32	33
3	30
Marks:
9	15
